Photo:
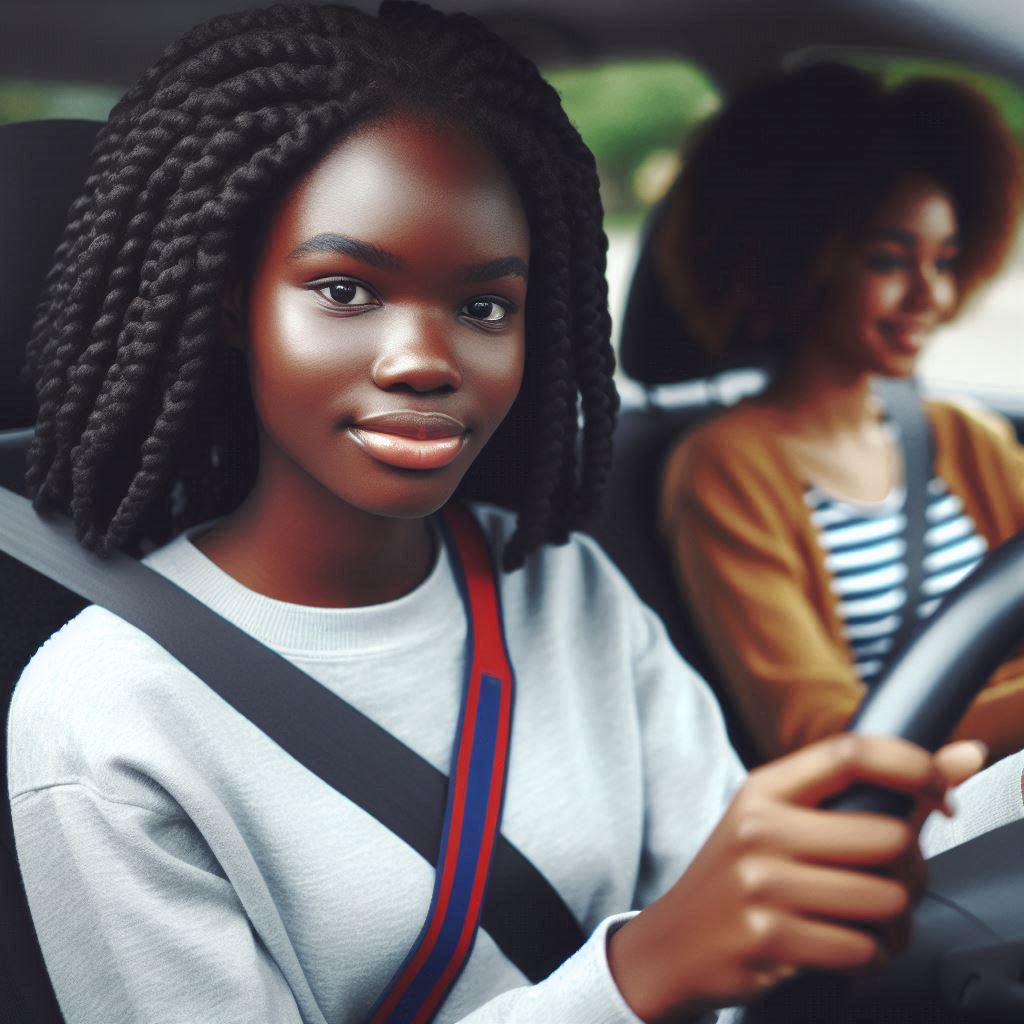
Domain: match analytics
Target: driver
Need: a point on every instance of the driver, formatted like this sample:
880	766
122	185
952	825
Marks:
828	226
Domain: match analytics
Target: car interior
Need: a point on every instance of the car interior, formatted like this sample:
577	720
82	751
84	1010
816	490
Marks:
672	385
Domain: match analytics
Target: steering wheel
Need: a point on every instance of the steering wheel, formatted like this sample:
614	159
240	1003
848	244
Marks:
966	959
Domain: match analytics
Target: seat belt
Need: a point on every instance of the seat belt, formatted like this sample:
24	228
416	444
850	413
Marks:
523	913
475	791
905	410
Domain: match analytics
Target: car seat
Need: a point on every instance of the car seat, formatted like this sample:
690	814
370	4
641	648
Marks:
42	167
656	349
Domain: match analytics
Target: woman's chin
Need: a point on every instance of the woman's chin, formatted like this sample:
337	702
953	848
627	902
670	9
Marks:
901	370
893	362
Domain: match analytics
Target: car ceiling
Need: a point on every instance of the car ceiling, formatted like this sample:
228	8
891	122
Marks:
113	40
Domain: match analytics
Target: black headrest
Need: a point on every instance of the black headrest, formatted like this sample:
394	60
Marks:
43	165
655	346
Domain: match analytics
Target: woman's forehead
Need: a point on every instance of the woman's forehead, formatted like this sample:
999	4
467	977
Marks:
915	204
395	179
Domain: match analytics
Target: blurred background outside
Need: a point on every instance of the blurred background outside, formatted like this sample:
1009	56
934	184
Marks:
637	116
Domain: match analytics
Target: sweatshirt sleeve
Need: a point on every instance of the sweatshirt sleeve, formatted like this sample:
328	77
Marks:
736	553
987	801
581	991
117	893
691	771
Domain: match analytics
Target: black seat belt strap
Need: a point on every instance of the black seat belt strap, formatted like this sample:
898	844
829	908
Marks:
906	412
524	914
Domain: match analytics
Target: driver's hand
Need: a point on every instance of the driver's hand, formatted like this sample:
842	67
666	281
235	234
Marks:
782	885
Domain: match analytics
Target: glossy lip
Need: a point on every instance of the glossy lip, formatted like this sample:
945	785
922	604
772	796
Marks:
909	338
422	426
409	439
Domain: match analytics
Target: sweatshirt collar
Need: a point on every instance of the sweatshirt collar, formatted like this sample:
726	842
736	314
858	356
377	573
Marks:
424	612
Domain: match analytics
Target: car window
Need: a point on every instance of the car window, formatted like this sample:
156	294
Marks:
23	100
637	115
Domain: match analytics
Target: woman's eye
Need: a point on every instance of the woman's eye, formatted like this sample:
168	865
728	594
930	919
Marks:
344	292
487	310
886	262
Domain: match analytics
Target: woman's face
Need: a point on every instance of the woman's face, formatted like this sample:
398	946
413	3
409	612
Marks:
385	323
898	284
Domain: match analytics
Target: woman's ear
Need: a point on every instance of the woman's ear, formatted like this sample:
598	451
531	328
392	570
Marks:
232	313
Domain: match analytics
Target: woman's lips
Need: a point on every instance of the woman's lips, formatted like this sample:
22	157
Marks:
410	440
908	339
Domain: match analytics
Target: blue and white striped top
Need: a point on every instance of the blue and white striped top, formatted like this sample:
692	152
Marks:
865	553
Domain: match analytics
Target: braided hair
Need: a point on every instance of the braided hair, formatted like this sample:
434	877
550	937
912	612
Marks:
145	423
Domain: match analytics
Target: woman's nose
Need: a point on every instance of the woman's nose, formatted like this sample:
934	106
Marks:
930	288
419	357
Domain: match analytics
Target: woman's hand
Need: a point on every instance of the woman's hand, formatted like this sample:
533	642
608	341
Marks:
782	885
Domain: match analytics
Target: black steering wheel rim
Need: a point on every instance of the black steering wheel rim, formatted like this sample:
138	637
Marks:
942	977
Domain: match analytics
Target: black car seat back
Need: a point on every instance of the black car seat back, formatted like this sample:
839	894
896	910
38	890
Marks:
43	165
656	348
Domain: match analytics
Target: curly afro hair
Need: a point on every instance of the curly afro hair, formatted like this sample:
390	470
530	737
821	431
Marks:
799	163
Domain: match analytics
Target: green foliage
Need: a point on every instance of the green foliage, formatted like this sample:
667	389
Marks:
39	101
627	111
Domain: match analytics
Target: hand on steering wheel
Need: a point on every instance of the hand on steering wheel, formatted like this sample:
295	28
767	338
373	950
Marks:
782	885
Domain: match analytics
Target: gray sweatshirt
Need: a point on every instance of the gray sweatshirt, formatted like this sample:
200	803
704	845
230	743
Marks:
180	867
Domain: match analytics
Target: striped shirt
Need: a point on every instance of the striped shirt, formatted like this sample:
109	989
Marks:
866	556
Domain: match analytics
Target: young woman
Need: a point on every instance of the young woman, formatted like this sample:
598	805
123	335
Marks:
322	259
827	226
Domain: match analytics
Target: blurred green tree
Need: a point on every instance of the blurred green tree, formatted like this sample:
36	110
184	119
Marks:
629	111
40	101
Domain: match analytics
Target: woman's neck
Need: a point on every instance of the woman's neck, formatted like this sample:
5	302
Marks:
822	401
829	427
319	552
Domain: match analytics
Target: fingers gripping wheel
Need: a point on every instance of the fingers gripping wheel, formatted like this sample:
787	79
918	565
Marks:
966	960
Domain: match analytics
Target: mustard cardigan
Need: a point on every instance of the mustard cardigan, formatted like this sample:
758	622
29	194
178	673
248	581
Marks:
751	565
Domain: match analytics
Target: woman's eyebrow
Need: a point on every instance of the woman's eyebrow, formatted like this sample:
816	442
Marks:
903	237
342	245
506	266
